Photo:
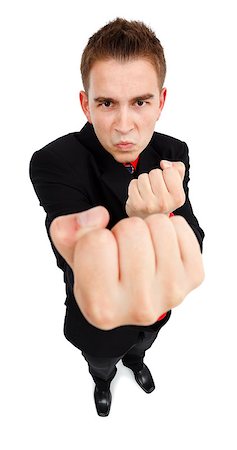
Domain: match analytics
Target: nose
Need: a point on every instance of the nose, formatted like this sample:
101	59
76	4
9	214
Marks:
124	122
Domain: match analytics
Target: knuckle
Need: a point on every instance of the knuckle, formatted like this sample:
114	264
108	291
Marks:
151	208
101	236
174	295
127	225
143	311
132	185
163	205
198	277
104	321
179	220
154	173
157	220
64	238
101	316
136	223
94	238
142	176
173	289
59	232
180	198
143	317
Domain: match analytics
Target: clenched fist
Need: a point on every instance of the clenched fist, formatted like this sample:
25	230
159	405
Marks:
133	273
159	191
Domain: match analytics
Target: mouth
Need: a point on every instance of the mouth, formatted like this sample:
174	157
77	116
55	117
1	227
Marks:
124	145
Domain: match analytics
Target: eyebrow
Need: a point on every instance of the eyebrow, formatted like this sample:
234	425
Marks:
138	97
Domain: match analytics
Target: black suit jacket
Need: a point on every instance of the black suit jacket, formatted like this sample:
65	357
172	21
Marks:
75	173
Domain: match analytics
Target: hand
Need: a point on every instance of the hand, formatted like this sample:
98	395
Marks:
157	191
133	273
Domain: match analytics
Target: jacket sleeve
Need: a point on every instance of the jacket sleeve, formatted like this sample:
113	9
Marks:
186	210
58	188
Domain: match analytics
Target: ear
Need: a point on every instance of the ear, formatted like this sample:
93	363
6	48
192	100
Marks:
163	93
85	105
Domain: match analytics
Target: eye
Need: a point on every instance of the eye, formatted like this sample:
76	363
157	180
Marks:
107	103
140	102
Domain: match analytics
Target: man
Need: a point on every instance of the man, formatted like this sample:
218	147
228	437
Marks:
118	213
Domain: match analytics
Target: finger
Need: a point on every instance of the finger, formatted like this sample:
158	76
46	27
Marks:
134	201
189	250
165	243
96	276
66	230
159	188
144	187
174	186
133	192
178	165
170	277
136	254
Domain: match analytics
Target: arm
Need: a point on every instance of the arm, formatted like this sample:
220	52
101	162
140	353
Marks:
163	191
186	209
58	189
132	274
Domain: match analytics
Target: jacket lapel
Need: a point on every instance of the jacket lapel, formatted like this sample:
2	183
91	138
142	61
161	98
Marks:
117	178
149	159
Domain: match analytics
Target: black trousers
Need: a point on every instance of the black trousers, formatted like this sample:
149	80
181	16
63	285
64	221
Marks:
103	369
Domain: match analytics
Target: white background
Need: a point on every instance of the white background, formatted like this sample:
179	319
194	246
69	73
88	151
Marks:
47	393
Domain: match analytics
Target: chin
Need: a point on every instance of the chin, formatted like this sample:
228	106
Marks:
125	158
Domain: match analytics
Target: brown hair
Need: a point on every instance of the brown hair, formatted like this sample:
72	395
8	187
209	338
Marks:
123	40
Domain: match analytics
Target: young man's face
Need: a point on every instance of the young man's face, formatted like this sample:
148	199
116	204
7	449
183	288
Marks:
123	104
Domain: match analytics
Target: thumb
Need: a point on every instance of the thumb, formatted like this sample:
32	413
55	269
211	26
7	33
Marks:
66	230
178	165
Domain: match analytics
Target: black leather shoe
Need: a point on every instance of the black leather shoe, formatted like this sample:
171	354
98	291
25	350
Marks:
144	378
103	400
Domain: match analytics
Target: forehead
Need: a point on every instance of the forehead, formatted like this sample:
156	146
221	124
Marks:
111	77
